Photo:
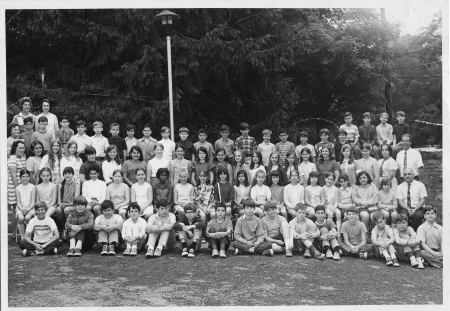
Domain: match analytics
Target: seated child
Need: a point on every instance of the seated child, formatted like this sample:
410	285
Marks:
109	226
79	224
142	193
313	192
303	233
94	190
406	240
163	190
260	193
183	193
224	191
241	191
329	199
46	236
249	233
383	239
328	234
293	194
430	236
355	239
190	230
387	203
133	230
204	196
218	231
344	195
25	194
159	229
277	192
276	229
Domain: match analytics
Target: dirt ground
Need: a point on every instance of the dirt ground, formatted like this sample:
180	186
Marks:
95	281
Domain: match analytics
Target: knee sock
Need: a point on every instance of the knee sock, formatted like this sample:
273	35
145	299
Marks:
312	249
79	244
326	248
336	249
409	254
183	244
193	245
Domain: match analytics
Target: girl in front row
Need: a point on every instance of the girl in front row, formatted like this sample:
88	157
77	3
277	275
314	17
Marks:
25	194
183	193
260	193
204	196
46	191
277	192
387	203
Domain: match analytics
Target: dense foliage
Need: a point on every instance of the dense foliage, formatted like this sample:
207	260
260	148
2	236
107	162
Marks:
274	68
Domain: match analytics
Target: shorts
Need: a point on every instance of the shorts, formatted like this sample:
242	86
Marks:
31	212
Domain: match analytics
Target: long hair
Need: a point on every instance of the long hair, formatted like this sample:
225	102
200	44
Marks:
286	164
369	179
269	179
108	158
260	162
45	169
256	175
51	155
15	145
226	159
350	158
242	172
242	157
66	150
34	144
68	169
205	151
330	157
307	150
138	149
269	167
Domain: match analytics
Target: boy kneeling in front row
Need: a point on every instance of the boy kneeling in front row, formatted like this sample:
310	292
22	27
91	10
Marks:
109	225
79	224
190	227
218	231
133	230
46	236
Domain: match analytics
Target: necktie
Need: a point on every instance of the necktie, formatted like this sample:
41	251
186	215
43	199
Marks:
408	196
381	167
404	161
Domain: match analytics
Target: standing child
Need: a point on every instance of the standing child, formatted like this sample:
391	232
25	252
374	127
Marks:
68	191
384	130
218	231
277	192
133	231
46	191
163	190
204	196
291	163
79	225
159	229
119	193
33	162
347	165
109	225
45	234
260	193
26	135
179	163
284	146
65	132
240	164
368	134
355	239
306	165
277	229
111	164
387	202
156	163
202	165
330	200
224	192
183	193
44	136
115	139
408	242
304	144
341	141
241	191
169	145
52	160
249	235
225	142
147	143
303	233
202	136
398	131
142	194
71	159
324	135
266	147
245	143
81	139
368	164
189	151
221	160
274	165
94	190
383	239
130	140
294	194
430	236
255	166
190	230
25	194
99	142
352	134
328	234
313	192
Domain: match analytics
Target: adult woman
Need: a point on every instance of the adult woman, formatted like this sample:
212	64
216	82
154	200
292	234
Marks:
388	166
327	164
16	163
52	161
26	107
53	125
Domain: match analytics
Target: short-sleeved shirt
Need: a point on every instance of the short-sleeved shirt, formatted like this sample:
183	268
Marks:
33	163
156	164
319	146
188	147
299	148
272	225
413	160
42	229
214	224
130	143
349	169
386	166
306	168
120	143
100	144
44	137
283	148
227	145
431	235
162	192
352	131
399	130
324	167
169	148
417	191
208	147
130	166
266	150
345	195
246	144
354	231
147	147
384	133
205	167
328	224
84	169
82	141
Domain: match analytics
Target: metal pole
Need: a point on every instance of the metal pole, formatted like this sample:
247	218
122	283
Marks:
169	69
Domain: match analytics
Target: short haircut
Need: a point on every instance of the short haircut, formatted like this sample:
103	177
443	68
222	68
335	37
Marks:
80	200
114	124
140	169
344	177
94	167
282	131
429	208
402	217
190	207
249	203
384	114
27	119
329	174
165	129
385	182
98	123
367	114
80	123
342	131
183	130
224	128
324	131
64	118
202	131
352	209
379	215
145	126
161	171
130	127
407	135
25	99
205	151
106	204
319	208
300	206
270	205
220	204
138	149
46	100
369	179
348	114
160	203
133	205
304	134
388	147
267	132
89	150
158	145
11	126
244	126
41	204
23	172
42	119
400	113
313	174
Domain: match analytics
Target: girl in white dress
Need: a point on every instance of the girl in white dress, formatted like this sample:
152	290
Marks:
26	195
46	191
142	193
71	159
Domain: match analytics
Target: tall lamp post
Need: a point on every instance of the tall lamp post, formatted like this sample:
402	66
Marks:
166	17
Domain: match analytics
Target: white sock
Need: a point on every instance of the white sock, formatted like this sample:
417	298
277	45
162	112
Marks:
160	247
72	243
79	244
386	254
129	245
133	246
393	256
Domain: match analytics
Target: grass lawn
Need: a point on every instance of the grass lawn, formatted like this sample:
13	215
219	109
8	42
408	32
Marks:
95	281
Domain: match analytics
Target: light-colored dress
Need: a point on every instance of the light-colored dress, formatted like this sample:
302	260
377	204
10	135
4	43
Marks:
45	193
141	192
73	162
314	194
55	170
350	170
177	166
18	163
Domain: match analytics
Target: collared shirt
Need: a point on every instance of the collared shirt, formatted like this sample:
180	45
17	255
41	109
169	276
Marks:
130	228
386	166
246	144
413	160
100	143
82	142
147	147
44	137
130	143
345	195
64	135
384	133
169	148
307	225
368	134
94	189
352	131
189	149
417	191
156	220
226	144
431	235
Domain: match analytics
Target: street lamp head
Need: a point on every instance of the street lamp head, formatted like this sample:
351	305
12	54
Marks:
166	17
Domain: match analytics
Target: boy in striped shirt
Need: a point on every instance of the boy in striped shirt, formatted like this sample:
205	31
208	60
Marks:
352	134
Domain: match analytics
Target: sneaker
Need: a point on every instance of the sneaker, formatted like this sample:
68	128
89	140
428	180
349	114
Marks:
157	252
111	251
77	252
236	251
363	255
319	256
27	252
414	262
215	253
336	256
38	253
184	252
307	253
191	253
104	251
127	251
149	253
389	261
395	261
251	250
71	252
133	252
223	254
329	254
420	264
288	253
268	252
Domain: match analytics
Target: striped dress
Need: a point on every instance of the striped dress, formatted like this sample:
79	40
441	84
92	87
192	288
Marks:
18	163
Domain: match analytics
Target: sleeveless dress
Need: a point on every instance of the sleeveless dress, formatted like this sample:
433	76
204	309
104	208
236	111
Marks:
18	163
314	194
46	194
117	194
141	192
69	192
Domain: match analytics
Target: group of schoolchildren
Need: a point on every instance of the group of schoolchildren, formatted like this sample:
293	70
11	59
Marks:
133	190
